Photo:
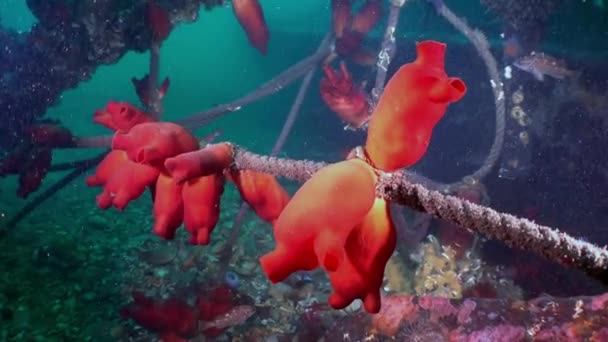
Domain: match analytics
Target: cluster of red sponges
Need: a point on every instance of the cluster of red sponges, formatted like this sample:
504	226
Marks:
186	183
334	221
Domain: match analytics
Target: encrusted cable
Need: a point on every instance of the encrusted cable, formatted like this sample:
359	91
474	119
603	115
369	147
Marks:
513	231
299	170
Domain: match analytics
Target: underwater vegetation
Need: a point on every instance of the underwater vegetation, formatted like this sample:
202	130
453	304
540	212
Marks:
363	248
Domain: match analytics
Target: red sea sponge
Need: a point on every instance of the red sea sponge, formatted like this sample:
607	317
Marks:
261	192
343	97
414	100
351	239
368	248
251	17
154	142
172	317
122	179
33	171
201	197
395	310
168	206
206	161
121	116
367	16
341	16
50	135
309	232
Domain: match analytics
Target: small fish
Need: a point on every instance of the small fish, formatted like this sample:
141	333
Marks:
540	64
236	316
